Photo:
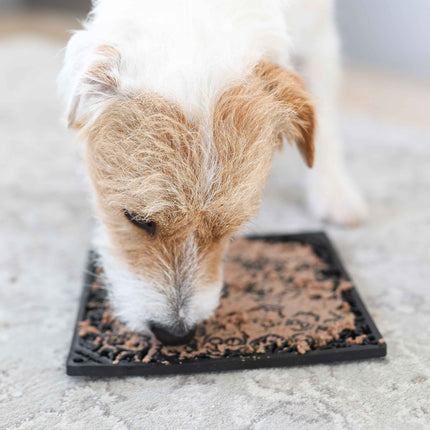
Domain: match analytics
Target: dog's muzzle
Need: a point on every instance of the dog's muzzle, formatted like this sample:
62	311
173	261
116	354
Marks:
172	336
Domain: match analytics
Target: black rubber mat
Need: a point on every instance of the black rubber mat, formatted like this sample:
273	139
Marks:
90	359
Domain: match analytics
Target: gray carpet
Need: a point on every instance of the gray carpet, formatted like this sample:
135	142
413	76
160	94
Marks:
44	227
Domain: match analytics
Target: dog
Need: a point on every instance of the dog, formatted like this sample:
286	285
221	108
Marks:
182	107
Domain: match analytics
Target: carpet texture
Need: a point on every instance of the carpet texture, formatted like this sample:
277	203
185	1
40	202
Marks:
45	223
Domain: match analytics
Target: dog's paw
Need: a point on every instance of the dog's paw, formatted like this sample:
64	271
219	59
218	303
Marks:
335	199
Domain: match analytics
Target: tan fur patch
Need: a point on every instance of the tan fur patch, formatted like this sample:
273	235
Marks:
101	78
101	71
292	111
195	181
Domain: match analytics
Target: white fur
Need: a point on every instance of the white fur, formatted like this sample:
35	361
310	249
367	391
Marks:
138	301
188	51
184	50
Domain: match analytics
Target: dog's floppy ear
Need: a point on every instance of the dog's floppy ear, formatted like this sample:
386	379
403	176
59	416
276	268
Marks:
98	84
292	110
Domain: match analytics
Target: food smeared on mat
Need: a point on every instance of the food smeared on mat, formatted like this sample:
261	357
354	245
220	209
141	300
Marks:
278	297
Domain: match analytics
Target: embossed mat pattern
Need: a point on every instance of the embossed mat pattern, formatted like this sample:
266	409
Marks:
262	321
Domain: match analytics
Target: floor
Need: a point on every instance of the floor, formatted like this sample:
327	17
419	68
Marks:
45	221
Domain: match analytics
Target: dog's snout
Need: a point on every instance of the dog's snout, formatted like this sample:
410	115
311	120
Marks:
172	335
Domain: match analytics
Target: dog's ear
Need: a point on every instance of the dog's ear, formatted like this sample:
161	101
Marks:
98	84
290	106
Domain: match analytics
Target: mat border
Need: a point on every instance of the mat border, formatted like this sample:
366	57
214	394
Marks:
102	367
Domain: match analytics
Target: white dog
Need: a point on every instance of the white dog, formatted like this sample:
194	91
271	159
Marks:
182	105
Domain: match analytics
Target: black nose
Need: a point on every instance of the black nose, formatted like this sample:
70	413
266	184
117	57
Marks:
172	336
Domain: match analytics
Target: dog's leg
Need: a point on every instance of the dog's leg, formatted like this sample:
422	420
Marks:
332	195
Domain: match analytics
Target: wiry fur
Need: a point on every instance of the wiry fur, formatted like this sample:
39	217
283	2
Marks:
148	156
181	125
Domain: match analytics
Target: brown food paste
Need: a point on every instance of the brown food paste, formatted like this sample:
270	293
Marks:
277	297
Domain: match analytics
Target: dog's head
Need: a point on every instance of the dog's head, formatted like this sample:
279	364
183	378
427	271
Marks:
172	187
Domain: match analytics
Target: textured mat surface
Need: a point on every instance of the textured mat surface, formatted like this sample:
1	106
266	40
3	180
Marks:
44	225
287	301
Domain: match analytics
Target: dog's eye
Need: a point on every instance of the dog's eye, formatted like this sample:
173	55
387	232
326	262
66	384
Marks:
148	226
